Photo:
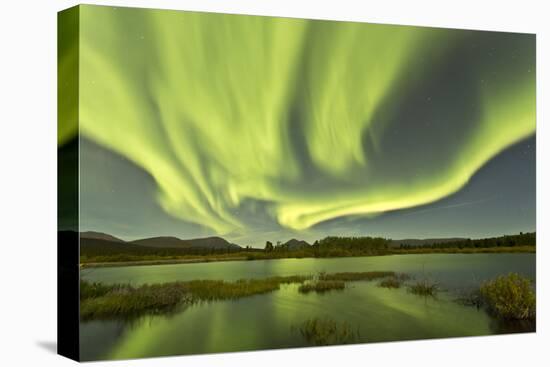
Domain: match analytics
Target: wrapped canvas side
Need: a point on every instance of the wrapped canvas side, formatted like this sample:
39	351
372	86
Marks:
67	186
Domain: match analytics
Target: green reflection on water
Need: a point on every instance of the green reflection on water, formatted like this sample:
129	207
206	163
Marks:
270	321
267	321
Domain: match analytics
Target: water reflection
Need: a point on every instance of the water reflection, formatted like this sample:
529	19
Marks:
267	321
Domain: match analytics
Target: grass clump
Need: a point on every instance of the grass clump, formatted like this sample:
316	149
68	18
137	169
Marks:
424	288
322	286
92	290
355	276
328	332
211	290
394	282
124	301
509	297
99	301
391	282
324	282
127	301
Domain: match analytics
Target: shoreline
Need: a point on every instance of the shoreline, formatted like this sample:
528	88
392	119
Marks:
450	251
114	264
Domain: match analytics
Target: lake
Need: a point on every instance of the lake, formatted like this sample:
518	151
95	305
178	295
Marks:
272	320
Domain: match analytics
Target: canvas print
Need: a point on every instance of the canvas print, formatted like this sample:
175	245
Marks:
239	183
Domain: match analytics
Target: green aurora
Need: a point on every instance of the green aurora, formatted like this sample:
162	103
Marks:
247	122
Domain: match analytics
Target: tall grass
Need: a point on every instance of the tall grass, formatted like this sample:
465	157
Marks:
100	301
424	288
509	297
355	276
128	302
327	331
394	281
322	286
391	282
125	301
210	290
324	282
92	290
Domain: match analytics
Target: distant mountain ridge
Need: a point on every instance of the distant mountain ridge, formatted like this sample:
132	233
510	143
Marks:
168	242
99	236
174	242
162	241
216	243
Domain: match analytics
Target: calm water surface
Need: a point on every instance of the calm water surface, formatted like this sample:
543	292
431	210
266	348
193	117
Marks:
270	321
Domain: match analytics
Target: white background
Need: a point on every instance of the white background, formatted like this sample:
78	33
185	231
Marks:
28	183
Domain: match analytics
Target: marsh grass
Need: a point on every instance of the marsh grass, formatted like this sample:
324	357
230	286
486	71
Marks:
92	290
125	301
391	282
324	282
394	281
355	276
322	286
509	297
128	302
211	290
327	331
424	288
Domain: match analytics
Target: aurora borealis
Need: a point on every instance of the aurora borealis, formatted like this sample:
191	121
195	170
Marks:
258	128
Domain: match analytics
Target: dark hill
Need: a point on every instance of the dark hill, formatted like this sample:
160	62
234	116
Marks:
173	242
99	236
96	244
295	244
163	242
99	247
211	242
93	248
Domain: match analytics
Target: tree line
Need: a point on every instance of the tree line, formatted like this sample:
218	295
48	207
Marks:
333	246
521	239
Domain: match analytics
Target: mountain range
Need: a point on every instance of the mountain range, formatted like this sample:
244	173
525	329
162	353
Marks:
103	242
98	245
91	238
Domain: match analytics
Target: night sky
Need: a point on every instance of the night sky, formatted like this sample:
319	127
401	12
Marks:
257	128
